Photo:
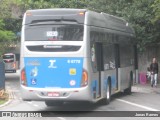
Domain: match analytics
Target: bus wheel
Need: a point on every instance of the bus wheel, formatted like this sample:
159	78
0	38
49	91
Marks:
106	100
53	103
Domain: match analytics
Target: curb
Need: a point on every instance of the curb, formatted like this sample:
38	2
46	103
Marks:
145	88
9	100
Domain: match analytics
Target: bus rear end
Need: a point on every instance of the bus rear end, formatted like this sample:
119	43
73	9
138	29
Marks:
53	65
10	62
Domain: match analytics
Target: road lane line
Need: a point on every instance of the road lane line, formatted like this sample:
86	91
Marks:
35	105
20	98
29	102
141	106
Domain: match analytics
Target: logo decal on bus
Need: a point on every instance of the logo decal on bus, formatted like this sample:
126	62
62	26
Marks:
33	81
34	72
52	62
72	71
72	82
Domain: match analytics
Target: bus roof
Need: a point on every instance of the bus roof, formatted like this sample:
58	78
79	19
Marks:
108	21
90	18
42	15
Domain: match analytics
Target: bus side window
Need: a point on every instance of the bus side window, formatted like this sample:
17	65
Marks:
109	57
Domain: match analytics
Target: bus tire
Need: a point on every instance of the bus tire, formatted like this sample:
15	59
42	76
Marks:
53	103
107	100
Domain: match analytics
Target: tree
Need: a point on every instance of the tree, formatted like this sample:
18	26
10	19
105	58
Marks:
156	19
156	11
40	4
137	12
5	34
5	13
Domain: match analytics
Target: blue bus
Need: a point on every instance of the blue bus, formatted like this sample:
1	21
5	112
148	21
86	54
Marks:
75	55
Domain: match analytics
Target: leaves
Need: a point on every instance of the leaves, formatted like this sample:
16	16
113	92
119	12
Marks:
137	12
7	35
5	12
156	11
143	15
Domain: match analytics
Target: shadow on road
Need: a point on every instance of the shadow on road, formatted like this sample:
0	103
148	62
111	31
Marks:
74	106
77	109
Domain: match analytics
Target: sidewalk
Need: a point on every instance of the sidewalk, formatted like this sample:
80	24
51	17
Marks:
146	88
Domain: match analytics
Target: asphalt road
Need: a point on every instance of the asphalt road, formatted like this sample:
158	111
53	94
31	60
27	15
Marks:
137	101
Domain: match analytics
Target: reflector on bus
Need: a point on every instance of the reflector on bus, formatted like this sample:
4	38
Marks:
28	13
82	13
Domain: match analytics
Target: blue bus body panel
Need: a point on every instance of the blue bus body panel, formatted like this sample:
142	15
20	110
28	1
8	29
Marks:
53	72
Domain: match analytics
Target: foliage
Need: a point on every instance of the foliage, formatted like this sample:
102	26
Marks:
156	11
143	15
156	19
140	17
5	12
40	4
137	12
5	34
13	24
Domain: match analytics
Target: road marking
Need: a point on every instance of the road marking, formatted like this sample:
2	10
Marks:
29	102
61	118
35	105
20	98
141	106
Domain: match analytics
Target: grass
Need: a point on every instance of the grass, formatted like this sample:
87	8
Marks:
4	98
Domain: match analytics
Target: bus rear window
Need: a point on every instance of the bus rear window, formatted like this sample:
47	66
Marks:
8	58
54	33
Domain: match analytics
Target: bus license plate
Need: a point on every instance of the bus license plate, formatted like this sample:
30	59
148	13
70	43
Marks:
53	94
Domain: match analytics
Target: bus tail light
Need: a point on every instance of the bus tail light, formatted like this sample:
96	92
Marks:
14	65
84	81
23	78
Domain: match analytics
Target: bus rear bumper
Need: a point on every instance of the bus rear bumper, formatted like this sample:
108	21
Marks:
79	94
